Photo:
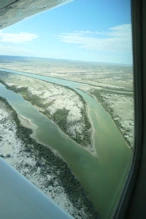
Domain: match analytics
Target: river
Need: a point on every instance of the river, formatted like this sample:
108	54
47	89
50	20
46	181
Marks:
102	176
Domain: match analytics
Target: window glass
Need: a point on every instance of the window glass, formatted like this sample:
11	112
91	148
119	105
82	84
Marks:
66	103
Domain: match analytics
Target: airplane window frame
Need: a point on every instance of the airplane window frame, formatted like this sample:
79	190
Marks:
128	206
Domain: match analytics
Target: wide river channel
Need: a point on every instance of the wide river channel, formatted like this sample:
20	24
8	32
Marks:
103	175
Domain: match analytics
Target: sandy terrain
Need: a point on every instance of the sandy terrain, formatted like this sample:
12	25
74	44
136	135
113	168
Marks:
12	149
114	84
121	108
97	74
27	160
60	104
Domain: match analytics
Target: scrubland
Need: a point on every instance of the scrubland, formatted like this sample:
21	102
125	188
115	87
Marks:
39	164
60	104
111	84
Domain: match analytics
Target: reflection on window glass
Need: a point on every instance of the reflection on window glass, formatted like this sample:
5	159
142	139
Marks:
66	78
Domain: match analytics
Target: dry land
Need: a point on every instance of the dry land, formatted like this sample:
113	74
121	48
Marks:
58	103
121	108
112	76
111	84
39	164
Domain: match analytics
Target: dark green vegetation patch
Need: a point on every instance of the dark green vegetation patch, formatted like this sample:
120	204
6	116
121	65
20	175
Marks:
54	165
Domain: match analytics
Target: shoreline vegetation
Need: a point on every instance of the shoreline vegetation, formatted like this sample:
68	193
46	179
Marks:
80	129
77	72
110	88
98	96
109	81
125	129
52	165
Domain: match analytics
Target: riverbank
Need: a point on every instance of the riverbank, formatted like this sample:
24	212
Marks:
105	75
38	163
59	103
121	109
109	144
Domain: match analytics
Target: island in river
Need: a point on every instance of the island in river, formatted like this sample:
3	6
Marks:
70	111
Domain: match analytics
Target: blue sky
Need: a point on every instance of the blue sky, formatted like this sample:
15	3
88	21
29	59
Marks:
88	30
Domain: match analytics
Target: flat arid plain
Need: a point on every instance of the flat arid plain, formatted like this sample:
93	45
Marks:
61	90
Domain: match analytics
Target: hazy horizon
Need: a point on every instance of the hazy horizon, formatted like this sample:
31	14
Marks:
95	31
68	60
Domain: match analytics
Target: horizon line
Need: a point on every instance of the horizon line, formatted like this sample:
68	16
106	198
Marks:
74	60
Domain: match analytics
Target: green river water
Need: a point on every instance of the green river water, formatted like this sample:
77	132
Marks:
102	176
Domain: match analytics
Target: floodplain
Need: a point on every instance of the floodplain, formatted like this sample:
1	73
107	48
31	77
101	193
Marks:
72	109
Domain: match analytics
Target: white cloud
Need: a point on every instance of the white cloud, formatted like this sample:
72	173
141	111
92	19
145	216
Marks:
116	39
16	37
